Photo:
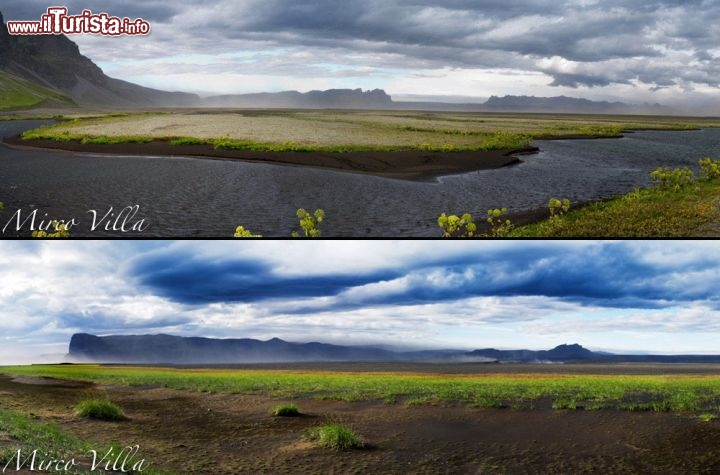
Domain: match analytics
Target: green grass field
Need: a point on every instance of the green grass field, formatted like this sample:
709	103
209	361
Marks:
651	212
17	93
518	391
336	131
28	433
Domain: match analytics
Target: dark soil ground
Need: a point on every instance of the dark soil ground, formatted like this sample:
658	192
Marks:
411	165
187	432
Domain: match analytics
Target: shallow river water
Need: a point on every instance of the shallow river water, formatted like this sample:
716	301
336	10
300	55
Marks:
191	197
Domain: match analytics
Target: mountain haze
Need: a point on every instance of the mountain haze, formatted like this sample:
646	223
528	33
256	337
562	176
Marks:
155	349
181	350
331	99
564	105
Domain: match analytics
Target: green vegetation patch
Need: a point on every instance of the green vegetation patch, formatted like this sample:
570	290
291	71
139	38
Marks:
29	433
101	409
672	209
336	437
679	393
341	132
489	142
17	93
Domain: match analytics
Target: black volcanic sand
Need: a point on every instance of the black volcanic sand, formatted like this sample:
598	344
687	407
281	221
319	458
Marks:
187	432
410	165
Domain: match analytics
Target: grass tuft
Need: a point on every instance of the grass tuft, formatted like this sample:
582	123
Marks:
336	437
101	409
286	410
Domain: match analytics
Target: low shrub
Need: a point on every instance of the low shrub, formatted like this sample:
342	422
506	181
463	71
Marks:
499	227
676	179
310	223
456	226
710	169
241	232
558	208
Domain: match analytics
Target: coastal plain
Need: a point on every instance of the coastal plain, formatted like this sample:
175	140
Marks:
419	418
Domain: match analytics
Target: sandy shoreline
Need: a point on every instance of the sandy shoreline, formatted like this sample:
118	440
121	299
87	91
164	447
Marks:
407	165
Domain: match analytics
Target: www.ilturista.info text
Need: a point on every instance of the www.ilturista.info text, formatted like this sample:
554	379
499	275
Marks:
57	22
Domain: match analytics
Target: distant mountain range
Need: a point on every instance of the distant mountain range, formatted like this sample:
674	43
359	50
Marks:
149	349
331	99
562	104
49	70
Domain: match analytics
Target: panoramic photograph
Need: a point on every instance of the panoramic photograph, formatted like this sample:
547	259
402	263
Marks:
359	357
226	119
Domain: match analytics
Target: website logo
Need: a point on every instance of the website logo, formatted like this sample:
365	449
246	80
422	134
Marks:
57	22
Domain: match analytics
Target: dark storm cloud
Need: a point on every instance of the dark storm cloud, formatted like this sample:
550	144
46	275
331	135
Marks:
103	321
153	10
608	275
471	34
577	80
188	280
603	42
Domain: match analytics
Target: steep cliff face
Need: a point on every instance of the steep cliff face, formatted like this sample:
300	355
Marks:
55	62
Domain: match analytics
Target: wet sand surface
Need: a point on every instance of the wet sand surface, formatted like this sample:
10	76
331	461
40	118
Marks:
410	165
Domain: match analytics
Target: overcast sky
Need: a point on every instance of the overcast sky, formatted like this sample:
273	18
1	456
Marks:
623	296
652	50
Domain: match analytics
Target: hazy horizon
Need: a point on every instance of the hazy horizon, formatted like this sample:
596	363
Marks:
620	296
614	50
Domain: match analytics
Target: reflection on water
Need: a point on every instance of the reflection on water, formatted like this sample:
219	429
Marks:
199	197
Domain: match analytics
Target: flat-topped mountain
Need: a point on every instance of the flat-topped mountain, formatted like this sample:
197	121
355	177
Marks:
330	99
181	350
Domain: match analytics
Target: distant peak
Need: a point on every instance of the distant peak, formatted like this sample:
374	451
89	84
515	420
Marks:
573	346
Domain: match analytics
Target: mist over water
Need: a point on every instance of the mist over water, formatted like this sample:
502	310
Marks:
199	197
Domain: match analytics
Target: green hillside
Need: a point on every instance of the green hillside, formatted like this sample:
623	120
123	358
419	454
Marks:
16	93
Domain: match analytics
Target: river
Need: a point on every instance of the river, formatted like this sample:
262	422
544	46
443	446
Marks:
195	197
